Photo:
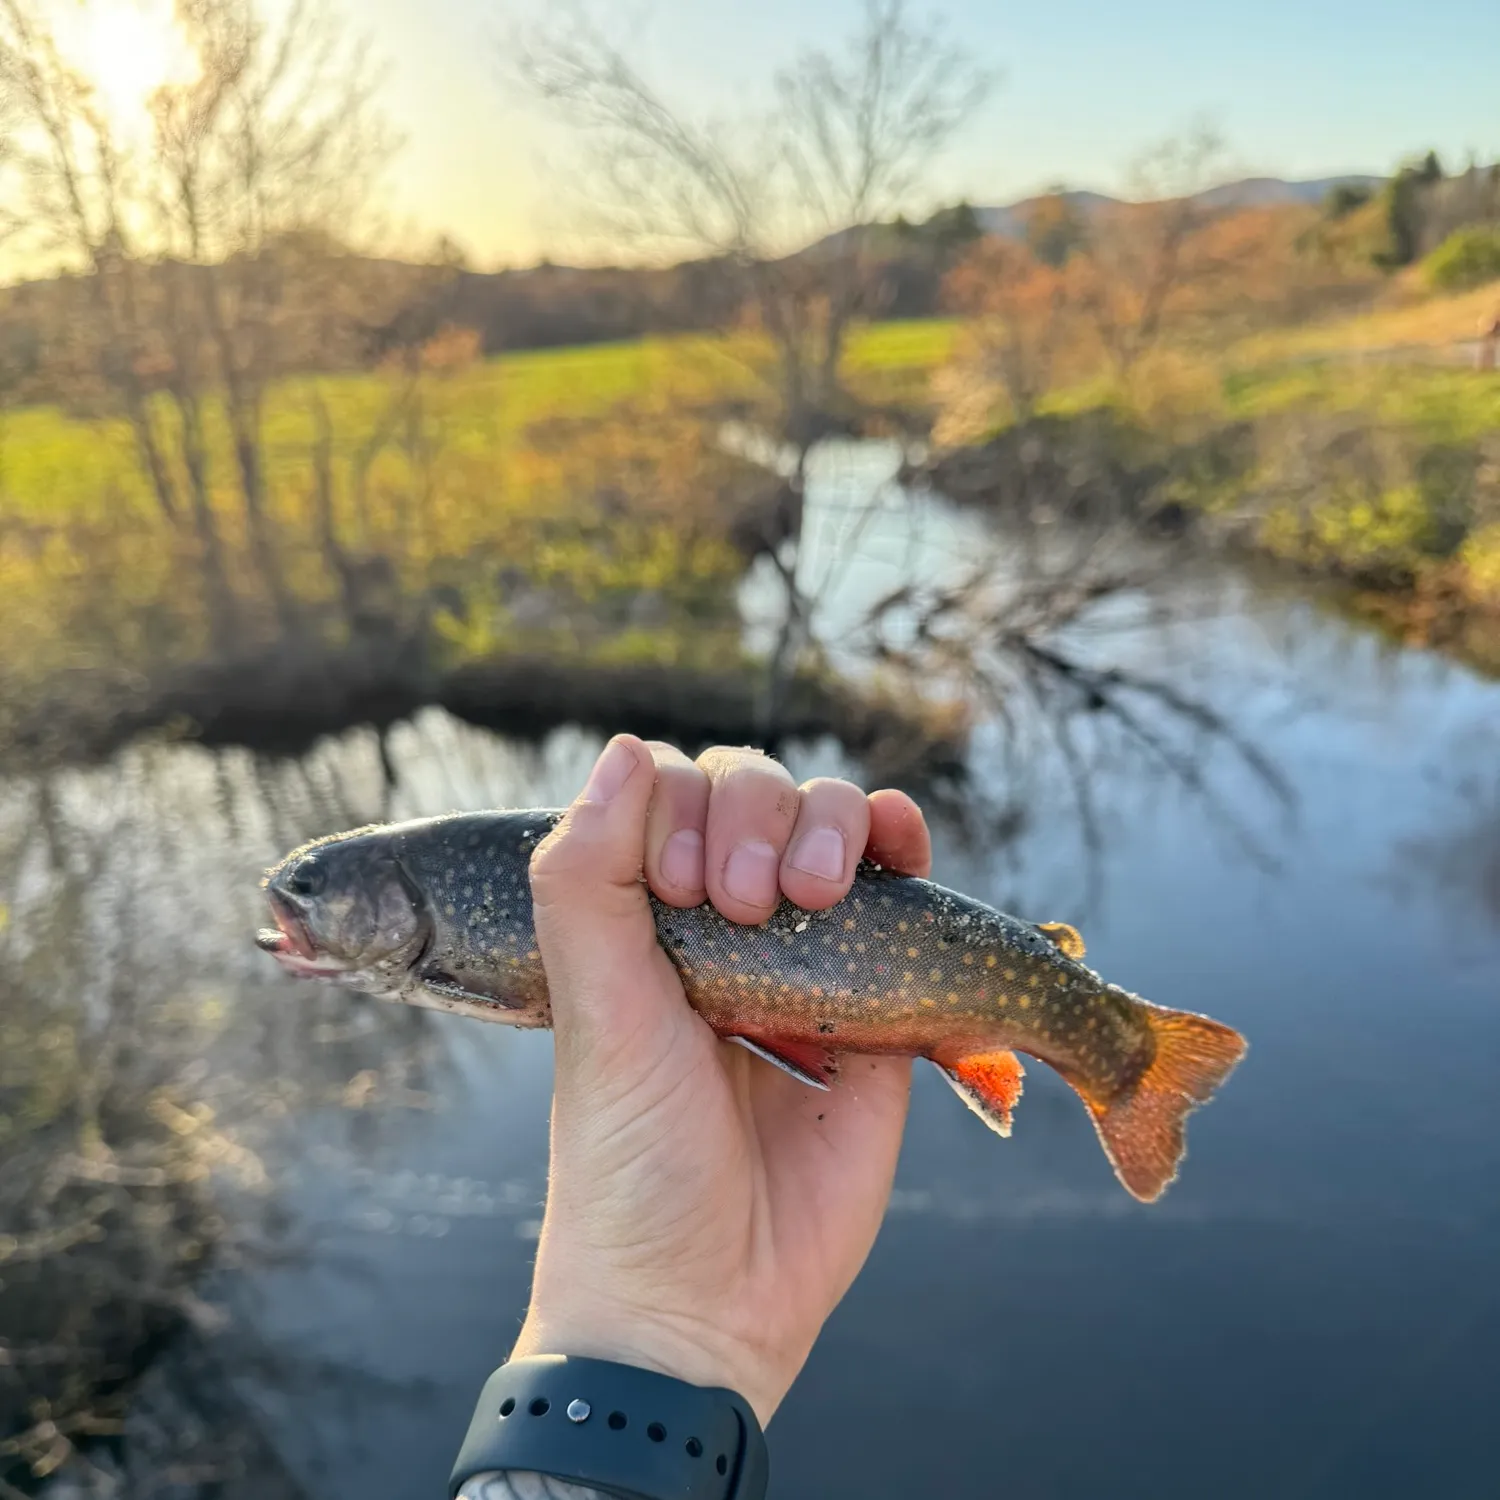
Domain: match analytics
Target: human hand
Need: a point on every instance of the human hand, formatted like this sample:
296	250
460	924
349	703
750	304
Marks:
705	1212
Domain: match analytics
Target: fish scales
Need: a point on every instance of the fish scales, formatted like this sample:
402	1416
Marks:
438	913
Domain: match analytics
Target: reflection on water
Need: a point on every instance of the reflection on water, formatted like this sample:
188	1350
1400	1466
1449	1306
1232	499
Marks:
292	1228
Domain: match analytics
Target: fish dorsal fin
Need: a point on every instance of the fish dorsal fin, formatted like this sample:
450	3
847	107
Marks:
989	1083
814	1066
1067	940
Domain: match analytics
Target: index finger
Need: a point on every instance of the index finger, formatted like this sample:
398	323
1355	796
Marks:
898	834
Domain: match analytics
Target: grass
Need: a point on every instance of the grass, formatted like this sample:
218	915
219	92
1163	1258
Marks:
1407	321
907	344
52	462
1445	405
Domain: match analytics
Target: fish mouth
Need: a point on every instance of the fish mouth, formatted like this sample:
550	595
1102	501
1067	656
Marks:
291	944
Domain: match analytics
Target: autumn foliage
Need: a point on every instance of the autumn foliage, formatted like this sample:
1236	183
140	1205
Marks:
1129	286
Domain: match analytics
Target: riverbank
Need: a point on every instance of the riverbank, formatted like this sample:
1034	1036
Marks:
1381	477
281	701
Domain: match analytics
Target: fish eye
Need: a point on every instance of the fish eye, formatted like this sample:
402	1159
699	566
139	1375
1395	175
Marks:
306	878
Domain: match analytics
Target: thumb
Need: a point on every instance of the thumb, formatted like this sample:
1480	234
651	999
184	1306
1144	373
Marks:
593	919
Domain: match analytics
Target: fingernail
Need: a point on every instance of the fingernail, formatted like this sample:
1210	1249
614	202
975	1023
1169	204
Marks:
682	860
750	873
820	851
611	772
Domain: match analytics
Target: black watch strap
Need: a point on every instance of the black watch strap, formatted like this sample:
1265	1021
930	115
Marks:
628	1432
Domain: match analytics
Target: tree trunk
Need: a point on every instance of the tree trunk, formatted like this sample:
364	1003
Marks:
218	598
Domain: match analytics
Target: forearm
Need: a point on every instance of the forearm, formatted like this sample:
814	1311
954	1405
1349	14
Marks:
525	1487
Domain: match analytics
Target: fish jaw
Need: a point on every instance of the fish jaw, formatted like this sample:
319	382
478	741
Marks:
291	945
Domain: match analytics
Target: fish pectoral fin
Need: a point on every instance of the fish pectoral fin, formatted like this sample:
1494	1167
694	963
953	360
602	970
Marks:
811	1065
989	1083
1067	940
440	982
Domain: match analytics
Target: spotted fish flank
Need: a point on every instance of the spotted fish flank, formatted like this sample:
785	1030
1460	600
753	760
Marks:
437	913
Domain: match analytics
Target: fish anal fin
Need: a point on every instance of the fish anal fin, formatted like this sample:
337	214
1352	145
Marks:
1067	940
1143	1129
805	1061
989	1083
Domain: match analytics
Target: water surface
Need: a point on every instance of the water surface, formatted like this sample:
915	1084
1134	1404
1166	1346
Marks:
1312	1310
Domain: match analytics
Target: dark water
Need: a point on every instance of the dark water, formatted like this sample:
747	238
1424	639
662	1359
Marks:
1312	1311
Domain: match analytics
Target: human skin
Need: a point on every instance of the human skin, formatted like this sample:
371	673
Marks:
705	1212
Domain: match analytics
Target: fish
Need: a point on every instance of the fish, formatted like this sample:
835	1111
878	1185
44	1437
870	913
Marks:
437	913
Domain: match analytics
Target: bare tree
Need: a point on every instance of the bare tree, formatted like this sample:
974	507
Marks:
1148	257
848	140
211	253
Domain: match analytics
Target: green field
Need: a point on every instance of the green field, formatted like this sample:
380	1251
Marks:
52	463
584	475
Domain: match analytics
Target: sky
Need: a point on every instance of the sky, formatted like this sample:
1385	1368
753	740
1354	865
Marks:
1299	88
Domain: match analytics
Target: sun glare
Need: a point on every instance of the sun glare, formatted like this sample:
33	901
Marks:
126	49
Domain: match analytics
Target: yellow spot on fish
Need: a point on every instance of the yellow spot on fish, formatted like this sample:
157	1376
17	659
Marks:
843	947
952	998
1024	1002
908	978
989	963
969	958
1033	980
911	952
1002	999
848	924
859	947
817	991
927	1001
934	975
734	958
894	951
1010	974
901	926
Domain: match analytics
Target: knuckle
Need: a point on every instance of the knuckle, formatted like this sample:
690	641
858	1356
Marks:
562	855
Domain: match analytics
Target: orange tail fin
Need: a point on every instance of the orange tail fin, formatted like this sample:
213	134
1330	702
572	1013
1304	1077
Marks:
1142	1132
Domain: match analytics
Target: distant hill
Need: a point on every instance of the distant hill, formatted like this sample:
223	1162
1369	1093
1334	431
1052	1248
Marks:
1251	192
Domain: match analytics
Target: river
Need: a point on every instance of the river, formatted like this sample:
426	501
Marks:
1311	1311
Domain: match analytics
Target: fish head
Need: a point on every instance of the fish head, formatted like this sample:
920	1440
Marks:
346	910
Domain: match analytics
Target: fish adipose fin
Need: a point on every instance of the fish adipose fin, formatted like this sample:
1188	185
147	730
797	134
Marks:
1067	940
813	1066
1142	1131
989	1083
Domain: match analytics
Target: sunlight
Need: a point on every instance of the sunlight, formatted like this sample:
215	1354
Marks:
127	49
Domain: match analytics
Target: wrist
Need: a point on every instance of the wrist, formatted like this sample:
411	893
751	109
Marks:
700	1356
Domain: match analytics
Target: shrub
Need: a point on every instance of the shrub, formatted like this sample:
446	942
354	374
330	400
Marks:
1481	562
1468	257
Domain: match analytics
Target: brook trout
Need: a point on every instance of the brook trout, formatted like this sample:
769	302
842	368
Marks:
437	913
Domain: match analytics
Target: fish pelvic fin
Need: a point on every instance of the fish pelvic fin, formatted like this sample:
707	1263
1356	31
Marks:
1142	1131
989	1083
814	1066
